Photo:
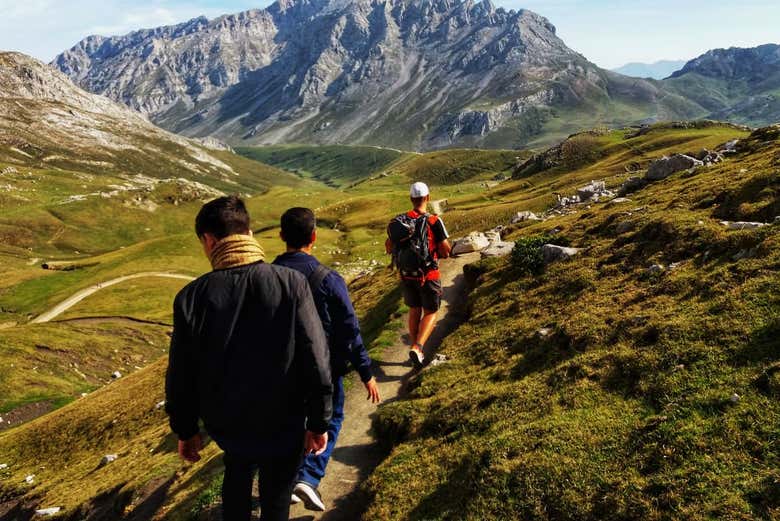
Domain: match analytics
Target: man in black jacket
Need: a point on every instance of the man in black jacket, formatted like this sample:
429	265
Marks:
248	357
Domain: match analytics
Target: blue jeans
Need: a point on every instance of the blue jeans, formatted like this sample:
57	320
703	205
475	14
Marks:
312	470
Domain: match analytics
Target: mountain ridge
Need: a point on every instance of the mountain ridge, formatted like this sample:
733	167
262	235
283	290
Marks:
414	75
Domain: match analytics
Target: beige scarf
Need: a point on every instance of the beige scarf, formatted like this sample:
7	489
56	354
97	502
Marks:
236	250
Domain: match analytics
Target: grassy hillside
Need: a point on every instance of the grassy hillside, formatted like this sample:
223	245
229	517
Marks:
601	389
333	165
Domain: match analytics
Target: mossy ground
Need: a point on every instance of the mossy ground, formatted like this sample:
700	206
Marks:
599	390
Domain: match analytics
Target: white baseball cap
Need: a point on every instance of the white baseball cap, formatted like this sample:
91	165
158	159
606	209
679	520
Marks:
419	190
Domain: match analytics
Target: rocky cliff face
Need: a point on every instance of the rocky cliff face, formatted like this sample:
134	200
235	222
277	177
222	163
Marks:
405	73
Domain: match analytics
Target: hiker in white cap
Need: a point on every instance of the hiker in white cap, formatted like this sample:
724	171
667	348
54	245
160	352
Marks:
417	240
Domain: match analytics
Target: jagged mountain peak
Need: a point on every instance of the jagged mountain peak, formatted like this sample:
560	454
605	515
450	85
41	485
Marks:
403	73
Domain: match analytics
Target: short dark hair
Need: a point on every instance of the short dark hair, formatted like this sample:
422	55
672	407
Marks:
297	226
417	201
222	217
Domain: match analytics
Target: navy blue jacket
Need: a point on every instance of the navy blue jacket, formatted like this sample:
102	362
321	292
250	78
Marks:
338	317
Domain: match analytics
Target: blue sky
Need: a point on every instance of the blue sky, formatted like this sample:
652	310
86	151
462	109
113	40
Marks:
610	33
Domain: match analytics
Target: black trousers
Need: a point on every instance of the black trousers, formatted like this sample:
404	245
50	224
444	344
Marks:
276	476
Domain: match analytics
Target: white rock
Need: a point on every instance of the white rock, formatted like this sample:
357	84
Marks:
475	241
553	252
30	479
48	511
735	398
591	190
498	249
740	225
439	359
108	458
525	216
116	374
3	466
666	166
160	405
544	332
619	200
777	219
493	236
656	269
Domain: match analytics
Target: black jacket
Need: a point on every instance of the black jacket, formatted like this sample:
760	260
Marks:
249	357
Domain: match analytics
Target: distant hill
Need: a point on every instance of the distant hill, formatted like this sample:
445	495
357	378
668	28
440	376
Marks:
740	85
414	75
657	70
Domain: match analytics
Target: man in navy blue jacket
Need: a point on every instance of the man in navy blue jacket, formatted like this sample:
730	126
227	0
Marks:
335	309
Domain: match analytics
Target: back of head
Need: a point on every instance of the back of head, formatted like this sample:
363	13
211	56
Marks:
223	217
298	225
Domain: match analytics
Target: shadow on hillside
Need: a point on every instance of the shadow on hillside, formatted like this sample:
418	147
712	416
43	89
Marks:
764	345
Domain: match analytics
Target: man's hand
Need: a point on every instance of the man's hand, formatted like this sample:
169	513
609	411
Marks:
315	443
373	390
189	449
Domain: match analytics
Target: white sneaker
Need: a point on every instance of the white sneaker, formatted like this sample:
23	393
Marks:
294	500
310	497
416	356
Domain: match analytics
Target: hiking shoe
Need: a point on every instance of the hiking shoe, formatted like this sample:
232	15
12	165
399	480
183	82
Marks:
309	495
294	500
416	356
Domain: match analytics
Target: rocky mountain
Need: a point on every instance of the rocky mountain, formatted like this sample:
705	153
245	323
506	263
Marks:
415	74
46	121
656	70
736	84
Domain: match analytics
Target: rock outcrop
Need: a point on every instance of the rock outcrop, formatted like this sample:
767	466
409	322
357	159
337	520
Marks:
666	166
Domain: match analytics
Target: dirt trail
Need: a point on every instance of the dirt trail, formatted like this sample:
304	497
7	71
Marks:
62	307
357	453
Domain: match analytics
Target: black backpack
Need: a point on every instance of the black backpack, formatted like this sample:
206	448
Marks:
411	249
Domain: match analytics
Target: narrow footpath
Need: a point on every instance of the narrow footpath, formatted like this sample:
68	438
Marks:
357	452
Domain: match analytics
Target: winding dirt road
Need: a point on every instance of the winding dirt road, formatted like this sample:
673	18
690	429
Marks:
357	452
65	305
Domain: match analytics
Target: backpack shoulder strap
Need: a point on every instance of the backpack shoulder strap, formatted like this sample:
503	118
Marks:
317	277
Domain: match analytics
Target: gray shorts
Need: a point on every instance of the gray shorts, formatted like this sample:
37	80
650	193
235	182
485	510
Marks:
426	296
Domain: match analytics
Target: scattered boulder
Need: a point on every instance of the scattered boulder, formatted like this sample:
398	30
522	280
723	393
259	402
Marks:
745	254
116	375
666	166
48	511
525	216
438	207
592	191
631	185
439	359
656	269
498	249
624	227
619	200
730	147
552	252
108	458
709	157
777	220
3	466
544	332
741	225
493	236
30	479
159	405
735	398
475	241
9	170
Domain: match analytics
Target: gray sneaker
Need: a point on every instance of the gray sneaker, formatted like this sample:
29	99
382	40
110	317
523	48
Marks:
309	495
